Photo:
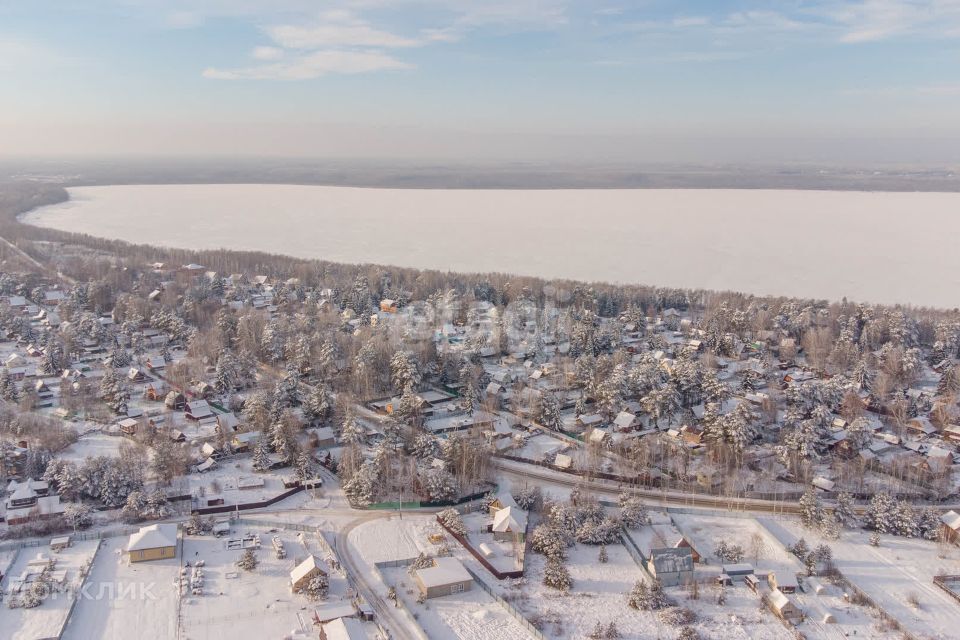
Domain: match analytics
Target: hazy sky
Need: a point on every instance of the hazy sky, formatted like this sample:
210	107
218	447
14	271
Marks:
843	80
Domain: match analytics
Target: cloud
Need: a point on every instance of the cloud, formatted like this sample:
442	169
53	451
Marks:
337	29
266	53
184	19
875	20
313	65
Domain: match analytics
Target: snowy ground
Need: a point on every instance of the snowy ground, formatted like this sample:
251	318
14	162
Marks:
92	445
599	595
151	613
47	619
890	573
245	605
471	615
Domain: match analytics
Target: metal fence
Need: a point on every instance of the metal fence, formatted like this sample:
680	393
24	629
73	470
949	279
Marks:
509	608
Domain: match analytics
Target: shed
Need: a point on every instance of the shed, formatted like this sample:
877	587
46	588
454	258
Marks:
784	607
445	577
303	573
737	571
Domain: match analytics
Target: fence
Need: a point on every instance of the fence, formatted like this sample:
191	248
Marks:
76	597
944	583
377	566
84	535
509	608
226	508
476	554
434	504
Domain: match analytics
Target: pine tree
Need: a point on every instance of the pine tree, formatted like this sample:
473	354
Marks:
639	596
261	458
318	586
304	465
451	520
556	575
8	388
550	412
248	560
811	510
879	516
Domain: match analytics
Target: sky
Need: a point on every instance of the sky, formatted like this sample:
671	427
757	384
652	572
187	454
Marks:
567	80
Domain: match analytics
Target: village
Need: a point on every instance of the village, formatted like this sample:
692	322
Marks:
371	453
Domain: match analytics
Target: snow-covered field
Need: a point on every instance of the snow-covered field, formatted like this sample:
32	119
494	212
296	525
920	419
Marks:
599	594
46	620
760	241
150	611
893	572
471	615
245	605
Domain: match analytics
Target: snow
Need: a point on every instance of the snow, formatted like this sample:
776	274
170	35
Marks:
725	233
888	574
92	445
471	615
46	620
151	612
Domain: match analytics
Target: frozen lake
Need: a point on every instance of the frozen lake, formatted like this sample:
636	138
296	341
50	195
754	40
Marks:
868	246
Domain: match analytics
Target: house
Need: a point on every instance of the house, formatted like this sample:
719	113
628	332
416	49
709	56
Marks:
155	542
325	437
129	426
445	577
921	426
228	422
625	421
823	483
589	420
175	400
563	461
206	465
136	374
244	441
784	607
303	573
509	523
950	526
672	566
785	582
198	409
343	629
597	436
388	306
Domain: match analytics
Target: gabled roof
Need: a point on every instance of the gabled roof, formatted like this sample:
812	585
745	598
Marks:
344	629
304	569
510	519
951	519
153	537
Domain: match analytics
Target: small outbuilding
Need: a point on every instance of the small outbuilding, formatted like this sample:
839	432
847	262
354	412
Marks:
445	577
303	573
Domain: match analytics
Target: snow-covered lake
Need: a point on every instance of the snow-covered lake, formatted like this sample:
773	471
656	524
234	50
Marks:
877	247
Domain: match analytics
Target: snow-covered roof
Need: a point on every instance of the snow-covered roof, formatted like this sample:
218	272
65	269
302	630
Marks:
624	419
153	537
823	483
563	461
305	568
443	572
779	600
510	519
344	629
951	519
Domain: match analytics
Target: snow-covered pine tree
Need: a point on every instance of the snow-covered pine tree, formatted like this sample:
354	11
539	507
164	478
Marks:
879	516
261	457
639	596
450	518
811	510
556	575
248	560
